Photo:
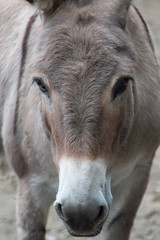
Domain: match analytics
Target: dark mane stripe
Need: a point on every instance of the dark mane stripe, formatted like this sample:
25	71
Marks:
145	27
22	63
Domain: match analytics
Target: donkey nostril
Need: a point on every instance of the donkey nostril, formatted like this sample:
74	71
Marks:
58	208
102	213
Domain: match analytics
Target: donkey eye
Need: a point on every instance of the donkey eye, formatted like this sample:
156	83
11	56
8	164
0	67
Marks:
41	86
120	86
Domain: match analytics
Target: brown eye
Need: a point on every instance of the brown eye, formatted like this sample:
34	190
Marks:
120	86
41	86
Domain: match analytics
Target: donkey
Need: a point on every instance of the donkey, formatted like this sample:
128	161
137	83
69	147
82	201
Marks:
79	112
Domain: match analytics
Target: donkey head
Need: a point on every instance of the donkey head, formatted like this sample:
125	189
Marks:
84	77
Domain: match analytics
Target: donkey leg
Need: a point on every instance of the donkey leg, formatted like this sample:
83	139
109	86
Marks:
35	195
126	199
4	167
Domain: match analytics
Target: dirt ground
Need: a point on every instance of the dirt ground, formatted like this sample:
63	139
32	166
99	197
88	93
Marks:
147	223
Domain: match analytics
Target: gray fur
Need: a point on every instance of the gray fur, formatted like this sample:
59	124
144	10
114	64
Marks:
80	51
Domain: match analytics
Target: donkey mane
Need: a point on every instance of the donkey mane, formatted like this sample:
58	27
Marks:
48	5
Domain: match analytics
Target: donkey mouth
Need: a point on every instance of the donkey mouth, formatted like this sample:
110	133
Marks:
86	234
92	233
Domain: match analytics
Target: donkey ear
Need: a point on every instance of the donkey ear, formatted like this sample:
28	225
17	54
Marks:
45	5
120	11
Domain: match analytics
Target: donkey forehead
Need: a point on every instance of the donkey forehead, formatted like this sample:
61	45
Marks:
75	30
81	53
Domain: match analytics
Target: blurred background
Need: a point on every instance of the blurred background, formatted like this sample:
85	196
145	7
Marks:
147	223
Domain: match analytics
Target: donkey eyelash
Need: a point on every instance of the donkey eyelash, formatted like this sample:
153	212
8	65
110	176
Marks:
120	86
41	86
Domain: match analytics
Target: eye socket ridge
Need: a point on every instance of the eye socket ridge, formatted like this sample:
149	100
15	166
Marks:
42	86
120	86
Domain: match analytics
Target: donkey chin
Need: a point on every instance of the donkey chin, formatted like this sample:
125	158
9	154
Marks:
84	196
